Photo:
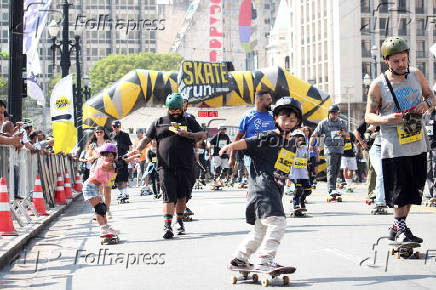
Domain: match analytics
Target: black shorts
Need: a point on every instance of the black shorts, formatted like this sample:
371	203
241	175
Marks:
404	179
175	183
122	172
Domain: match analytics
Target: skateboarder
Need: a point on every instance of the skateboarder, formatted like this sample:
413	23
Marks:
334	130
176	136
401	95
220	163
272	153
299	172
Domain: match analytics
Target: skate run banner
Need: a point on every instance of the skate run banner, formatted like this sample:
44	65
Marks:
198	79
62	116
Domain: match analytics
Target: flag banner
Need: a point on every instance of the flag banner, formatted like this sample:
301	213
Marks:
34	19
34	89
62	116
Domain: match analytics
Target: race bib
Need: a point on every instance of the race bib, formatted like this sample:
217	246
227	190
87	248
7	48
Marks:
174	130
200	150
429	130
347	146
406	138
154	159
284	161
222	143
300	163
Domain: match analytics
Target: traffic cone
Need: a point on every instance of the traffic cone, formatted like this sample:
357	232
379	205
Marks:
68	191
78	183
6	224
37	199
60	191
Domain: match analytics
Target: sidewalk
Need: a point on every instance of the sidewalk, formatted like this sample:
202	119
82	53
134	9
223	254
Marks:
11	246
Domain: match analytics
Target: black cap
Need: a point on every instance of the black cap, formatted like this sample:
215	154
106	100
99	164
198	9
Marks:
116	124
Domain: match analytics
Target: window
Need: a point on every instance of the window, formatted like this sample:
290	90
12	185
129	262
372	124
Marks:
434	6
420	26
364	25
420	48
364	6
383	7
384	27
402	29
366	68
419	5
402	6
434	68
421	66
366	48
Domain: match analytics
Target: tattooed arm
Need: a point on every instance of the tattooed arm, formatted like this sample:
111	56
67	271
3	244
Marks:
373	105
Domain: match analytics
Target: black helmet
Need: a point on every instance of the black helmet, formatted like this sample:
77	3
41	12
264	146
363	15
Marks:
291	103
334	108
116	124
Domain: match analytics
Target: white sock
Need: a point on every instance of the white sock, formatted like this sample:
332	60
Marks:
348	181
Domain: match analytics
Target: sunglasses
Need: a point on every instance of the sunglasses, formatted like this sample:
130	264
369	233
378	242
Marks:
98	132
115	127
175	110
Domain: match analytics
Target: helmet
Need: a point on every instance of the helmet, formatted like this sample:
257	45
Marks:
297	133
116	124
291	103
393	45
139	130
108	147
222	126
174	101
334	108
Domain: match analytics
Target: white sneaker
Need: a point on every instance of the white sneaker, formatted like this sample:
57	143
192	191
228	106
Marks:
108	230
267	266
109	214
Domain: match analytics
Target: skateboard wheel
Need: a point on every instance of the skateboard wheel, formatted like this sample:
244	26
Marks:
265	282
417	255
392	251
255	278
398	255
329	199
339	199
234	279
285	280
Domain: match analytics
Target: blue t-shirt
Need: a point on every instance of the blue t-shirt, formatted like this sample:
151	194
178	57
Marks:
254	122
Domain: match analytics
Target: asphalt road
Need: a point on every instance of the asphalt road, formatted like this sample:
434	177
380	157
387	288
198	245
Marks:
331	247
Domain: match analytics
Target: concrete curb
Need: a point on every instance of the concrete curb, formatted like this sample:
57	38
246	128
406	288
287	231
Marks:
18	245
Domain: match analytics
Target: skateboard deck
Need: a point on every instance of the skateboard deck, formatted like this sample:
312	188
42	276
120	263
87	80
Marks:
334	197
300	212
109	239
245	273
405	250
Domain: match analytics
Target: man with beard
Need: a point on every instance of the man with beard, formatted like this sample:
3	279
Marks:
175	135
253	122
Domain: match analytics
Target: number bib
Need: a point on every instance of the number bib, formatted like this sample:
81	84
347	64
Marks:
154	159
300	163
348	146
200	151
284	160
429	130
174	130
222	143
405	138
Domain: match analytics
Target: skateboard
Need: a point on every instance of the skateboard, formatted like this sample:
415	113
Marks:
245	273
216	187
334	197
431	202
198	185
145	192
109	239
405	250
299	212
379	210
241	186
123	200
187	215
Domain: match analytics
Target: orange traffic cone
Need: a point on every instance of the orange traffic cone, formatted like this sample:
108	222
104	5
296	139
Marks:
60	191
68	191
38	200
6	224
78	185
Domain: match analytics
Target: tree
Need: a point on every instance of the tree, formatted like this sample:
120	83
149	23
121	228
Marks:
113	67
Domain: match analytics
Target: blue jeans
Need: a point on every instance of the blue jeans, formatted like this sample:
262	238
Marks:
375	156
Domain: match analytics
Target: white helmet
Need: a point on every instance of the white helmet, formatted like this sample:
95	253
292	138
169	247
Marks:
297	133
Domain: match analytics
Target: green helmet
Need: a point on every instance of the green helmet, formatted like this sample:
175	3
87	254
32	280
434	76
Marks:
174	101
393	45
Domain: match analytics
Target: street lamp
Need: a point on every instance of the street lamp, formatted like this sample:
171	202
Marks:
366	82
374	51
86	87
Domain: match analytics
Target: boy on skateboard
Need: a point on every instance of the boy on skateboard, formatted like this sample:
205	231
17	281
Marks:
299	173
272	154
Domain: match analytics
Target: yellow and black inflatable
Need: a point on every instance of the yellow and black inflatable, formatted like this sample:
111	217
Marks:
141	88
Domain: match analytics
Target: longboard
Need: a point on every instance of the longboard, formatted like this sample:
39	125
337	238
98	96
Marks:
245	272
379	210
109	239
405	250
431	202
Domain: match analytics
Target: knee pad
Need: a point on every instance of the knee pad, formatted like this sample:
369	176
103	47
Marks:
100	208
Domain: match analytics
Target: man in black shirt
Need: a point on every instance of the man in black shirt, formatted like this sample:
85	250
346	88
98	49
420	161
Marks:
348	160
220	163
175	135
122	140
430	123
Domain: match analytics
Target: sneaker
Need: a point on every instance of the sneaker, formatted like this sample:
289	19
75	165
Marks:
392	233
406	236
188	211
237	263
168	232
109	214
296	206
113	231
108	231
303	204
267	266
181	230
120	197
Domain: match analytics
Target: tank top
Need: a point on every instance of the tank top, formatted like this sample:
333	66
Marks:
394	142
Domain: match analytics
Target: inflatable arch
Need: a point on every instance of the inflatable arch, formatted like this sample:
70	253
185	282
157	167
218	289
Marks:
141	88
